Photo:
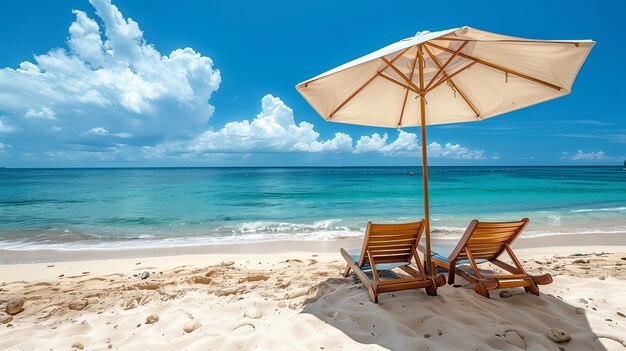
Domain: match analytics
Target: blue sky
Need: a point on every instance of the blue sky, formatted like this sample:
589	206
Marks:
66	101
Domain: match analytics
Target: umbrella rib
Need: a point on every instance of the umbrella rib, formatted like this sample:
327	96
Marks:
469	103
446	64
497	67
446	78
575	43
406	94
406	79
398	83
356	92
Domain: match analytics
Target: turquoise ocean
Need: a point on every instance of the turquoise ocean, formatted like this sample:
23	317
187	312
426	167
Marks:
145	207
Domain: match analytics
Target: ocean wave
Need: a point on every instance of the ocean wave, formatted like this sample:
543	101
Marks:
607	209
286	227
96	238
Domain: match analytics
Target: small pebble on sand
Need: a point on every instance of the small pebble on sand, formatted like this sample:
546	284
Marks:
191	326
557	335
78	345
151	319
505	293
78	305
253	314
15	305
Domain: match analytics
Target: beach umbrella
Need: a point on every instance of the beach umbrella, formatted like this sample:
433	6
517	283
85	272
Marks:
451	76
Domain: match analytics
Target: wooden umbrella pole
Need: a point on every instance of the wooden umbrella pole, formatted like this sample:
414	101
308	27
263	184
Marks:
424	162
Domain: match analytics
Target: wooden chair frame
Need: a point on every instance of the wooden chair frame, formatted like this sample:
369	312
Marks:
495	239
391	244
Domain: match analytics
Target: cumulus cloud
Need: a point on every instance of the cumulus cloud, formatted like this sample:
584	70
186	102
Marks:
44	113
455	151
590	156
273	130
103	132
111	95
107	77
407	145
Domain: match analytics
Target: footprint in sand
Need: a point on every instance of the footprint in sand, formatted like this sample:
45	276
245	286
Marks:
147	286
37	284
230	291
199	280
254	278
244	329
129	304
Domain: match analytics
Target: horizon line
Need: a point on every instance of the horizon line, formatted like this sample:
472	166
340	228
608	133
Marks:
361	166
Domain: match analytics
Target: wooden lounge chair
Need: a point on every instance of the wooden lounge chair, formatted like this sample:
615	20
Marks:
389	246
485	242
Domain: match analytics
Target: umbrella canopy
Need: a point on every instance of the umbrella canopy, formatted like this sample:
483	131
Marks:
469	75
456	75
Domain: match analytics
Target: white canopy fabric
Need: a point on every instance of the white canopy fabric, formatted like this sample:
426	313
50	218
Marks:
469	75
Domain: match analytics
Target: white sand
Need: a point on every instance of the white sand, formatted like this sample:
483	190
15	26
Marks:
303	303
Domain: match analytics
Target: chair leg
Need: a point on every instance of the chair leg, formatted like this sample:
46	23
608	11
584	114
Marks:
431	290
451	272
481	290
533	288
440	280
346	272
372	294
435	283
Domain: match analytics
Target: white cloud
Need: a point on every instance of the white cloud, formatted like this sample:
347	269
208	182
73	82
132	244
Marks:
44	113
455	151
374	143
103	132
407	145
590	156
107	77
273	130
111	95
97	131
6	128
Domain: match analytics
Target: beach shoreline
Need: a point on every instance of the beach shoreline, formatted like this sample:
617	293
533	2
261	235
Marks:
29	255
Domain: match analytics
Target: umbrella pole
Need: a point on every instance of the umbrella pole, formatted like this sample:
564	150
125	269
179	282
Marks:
426	207
427	254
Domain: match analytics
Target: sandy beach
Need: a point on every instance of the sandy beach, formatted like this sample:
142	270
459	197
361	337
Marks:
184	175
292	296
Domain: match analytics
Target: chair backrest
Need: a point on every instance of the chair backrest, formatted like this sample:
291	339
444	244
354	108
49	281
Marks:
486	240
391	243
